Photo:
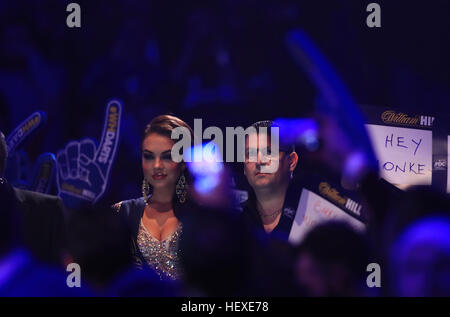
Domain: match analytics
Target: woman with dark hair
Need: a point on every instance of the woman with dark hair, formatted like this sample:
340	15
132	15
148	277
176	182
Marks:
155	217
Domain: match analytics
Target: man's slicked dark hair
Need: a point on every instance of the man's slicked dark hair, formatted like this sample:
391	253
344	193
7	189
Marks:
269	124
263	124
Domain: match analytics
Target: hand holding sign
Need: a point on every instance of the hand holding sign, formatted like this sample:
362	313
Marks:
84	168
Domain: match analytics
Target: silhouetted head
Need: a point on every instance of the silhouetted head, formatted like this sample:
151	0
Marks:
420	259
332	260
214	253
100	243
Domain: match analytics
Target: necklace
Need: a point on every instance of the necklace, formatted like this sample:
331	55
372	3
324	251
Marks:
270	215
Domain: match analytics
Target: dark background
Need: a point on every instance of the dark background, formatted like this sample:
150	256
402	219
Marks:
223	61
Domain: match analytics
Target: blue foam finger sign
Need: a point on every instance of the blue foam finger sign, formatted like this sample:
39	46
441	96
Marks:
84	167
18	166
61	159
88	149
110	137
44	173
24	129
73	157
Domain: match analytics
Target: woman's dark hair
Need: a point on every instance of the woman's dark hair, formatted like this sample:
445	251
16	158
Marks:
164	125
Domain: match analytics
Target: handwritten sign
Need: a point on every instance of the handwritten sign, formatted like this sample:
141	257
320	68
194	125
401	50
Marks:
404	154
313	210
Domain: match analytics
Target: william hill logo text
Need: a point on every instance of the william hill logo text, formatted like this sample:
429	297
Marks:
400	118
332	194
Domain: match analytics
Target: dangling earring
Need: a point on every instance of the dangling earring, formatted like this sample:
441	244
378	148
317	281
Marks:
292	174
146	190
181	189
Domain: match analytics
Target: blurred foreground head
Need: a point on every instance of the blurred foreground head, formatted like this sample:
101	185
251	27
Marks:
420	259
99	242
215	253
332	261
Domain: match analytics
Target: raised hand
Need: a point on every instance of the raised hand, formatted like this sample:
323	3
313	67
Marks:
83	168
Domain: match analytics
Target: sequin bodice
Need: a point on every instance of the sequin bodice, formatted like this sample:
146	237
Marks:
162	256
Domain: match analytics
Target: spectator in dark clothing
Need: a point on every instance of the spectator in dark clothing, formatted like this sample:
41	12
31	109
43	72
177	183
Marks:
269	208
42	216
20	273
420	259
332	261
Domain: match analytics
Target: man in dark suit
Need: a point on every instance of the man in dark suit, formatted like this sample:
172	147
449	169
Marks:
43	226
